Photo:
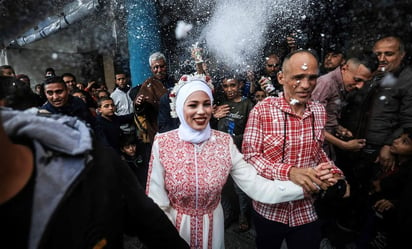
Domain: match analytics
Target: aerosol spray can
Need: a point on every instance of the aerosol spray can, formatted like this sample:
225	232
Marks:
269	88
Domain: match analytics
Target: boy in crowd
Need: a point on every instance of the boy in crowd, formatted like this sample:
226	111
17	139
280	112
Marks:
108	123
390	199
131	154
259	95
231	117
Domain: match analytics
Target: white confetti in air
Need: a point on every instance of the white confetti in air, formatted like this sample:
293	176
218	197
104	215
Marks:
338	102
236	31
182	29
389	80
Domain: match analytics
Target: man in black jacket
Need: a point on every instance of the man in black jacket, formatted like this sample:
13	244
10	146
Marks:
60	101
60	189
385	109
387	103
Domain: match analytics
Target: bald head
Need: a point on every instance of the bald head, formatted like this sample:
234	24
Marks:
303	56
300	70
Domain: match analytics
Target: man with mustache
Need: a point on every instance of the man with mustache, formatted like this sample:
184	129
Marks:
147	101
148	98
60	101
334	58
267	76
384	111
388	102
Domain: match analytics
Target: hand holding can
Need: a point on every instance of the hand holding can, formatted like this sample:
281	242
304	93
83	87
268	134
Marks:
267	85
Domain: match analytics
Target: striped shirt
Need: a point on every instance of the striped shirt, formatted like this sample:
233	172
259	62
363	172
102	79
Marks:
275	139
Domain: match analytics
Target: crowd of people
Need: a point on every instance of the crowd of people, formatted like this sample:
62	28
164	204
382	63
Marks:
312	153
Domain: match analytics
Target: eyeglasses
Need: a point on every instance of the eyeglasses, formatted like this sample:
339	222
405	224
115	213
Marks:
272	65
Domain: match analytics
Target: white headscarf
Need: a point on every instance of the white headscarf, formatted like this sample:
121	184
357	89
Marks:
186	133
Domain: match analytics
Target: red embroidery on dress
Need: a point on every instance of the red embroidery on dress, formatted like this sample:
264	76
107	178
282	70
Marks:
213	167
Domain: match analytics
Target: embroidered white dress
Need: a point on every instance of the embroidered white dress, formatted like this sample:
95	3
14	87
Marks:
186	181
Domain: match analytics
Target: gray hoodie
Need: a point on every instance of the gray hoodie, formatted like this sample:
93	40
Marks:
61	146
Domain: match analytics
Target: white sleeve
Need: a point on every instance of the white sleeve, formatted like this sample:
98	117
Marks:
259	188
156	188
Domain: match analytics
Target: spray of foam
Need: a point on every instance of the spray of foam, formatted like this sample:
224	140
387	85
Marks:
235	33
237	30
182	29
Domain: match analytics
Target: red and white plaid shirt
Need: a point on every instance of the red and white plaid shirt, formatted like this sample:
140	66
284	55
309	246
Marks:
275	139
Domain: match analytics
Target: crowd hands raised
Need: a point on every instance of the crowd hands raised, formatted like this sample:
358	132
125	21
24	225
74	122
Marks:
299	122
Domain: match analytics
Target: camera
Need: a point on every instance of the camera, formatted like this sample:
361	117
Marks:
334	192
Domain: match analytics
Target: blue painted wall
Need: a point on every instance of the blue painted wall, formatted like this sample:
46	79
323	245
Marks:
143	37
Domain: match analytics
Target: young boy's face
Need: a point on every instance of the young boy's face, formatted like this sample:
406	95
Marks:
402	145
129	150
80	95
260	95
102	94
231	87
107	108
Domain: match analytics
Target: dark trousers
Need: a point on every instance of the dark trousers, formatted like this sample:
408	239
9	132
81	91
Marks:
360	170
270	234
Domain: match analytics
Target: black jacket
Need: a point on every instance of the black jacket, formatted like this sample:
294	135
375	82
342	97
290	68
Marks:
74	107
108	131
81	194
106	201
387	108
165	121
